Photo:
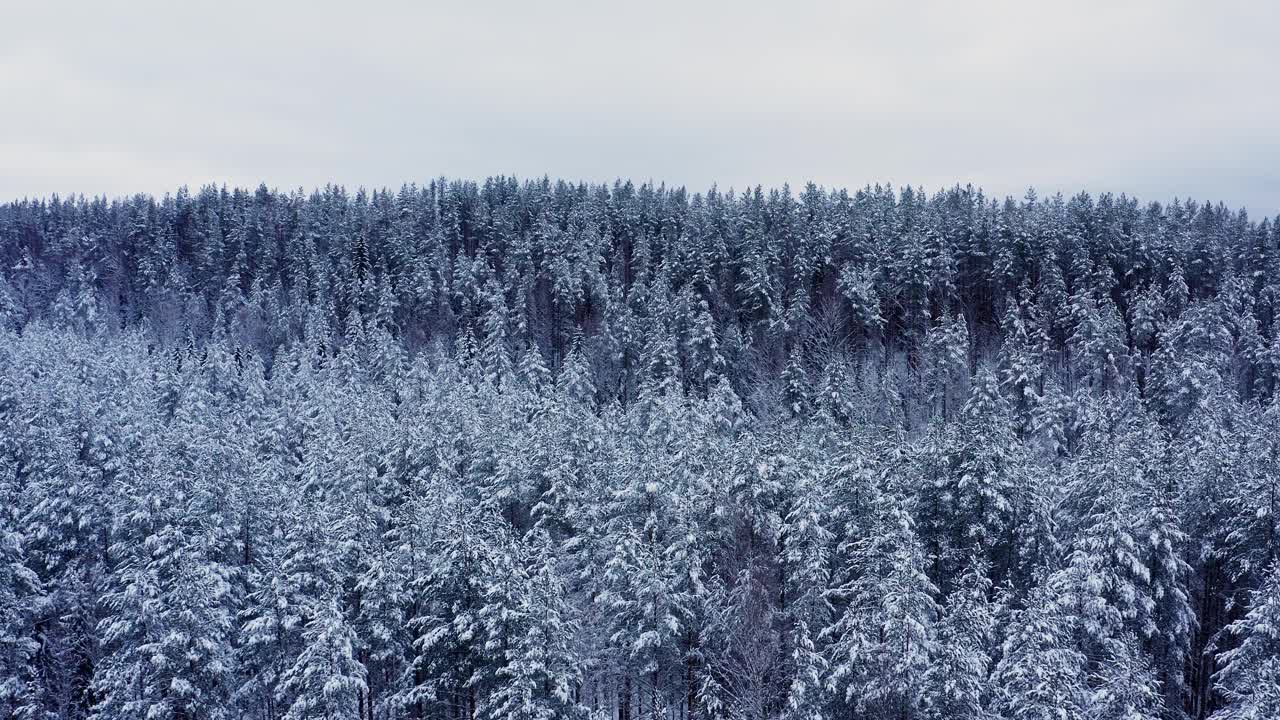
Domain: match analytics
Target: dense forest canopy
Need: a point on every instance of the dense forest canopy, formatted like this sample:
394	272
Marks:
546	450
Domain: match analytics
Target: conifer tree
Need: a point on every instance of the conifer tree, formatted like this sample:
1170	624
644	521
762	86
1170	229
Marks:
884	637
1250	674
1038	676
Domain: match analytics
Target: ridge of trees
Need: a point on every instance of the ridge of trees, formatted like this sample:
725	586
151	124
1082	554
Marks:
548	450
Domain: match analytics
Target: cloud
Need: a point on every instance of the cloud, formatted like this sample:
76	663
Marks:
1158	99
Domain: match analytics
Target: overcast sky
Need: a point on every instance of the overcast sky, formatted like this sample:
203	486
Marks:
1157	99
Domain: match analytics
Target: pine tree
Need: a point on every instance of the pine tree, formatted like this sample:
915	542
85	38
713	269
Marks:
326	679
1250	674
169	625
969	497
1124	685
1099	353
447	634
1022	359
958	678
647	611
1254	500
806	548
795	384
495	350
884	638
1038	676
703	346
946	368
859	288
20	592
1189	372
532	632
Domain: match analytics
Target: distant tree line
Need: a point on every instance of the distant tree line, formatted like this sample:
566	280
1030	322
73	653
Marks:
545	450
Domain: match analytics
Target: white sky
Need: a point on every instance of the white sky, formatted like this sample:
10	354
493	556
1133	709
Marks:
1157	98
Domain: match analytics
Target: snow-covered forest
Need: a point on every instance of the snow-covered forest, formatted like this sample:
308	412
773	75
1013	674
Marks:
544	450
